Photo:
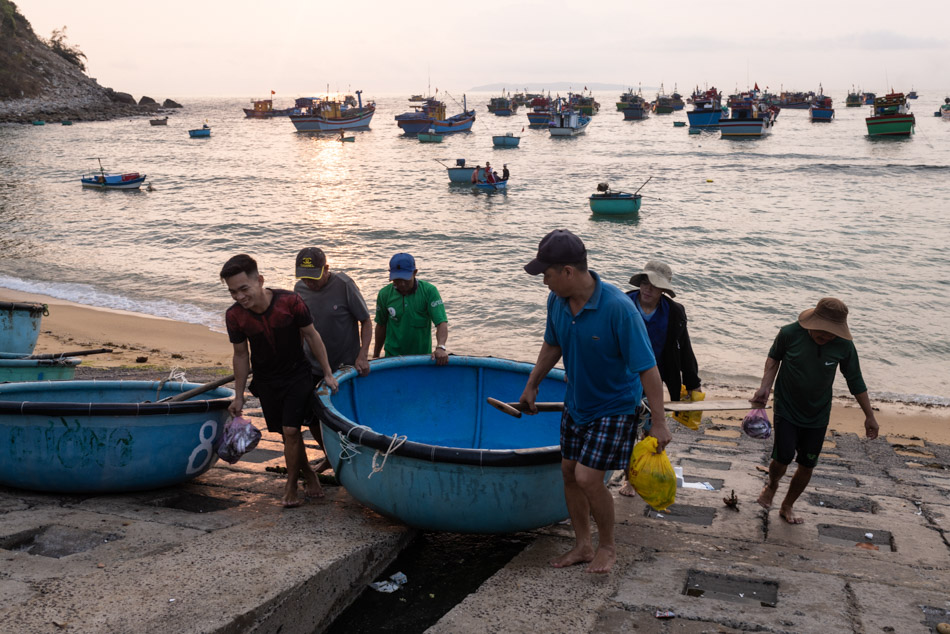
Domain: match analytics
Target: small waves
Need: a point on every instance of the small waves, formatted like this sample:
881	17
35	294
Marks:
89	295
890	169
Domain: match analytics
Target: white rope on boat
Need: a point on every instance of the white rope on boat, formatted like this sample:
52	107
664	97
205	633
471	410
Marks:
349	448
396	443
176	374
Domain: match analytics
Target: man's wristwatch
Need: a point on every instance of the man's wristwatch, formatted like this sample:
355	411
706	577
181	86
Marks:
441	347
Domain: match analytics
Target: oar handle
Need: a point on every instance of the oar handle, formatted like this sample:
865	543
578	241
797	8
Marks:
642	186
516	409
77	353
201	389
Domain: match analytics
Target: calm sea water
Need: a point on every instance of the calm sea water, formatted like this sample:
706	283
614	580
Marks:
755	230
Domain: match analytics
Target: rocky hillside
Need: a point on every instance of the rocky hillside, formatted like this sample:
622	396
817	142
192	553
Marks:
38	83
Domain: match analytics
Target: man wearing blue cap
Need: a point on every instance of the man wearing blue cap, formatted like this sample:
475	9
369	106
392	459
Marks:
610	365
405	312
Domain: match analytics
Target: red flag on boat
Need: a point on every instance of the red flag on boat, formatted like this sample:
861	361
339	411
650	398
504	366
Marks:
522	128
756	85
273	93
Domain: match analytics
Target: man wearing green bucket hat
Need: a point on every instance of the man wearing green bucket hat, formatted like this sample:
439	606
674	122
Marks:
805	356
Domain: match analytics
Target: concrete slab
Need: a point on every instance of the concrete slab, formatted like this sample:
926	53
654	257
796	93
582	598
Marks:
882	606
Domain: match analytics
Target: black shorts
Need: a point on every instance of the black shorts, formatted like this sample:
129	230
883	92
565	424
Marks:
791	439
286	403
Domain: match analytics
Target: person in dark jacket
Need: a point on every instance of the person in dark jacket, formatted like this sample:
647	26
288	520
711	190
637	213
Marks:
666	325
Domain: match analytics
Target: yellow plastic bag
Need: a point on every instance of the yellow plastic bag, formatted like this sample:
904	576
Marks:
689	419
652	475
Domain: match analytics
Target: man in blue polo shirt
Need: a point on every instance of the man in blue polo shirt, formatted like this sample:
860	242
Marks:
610	365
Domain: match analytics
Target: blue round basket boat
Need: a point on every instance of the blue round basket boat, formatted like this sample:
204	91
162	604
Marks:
418	442
103	437
20	326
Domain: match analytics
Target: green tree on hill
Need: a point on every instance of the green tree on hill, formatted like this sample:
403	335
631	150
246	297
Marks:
72	54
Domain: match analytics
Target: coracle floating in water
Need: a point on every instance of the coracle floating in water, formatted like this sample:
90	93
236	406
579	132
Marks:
103	437
419	443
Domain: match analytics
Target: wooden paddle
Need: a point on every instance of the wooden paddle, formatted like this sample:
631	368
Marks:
77	353
516	409
201	389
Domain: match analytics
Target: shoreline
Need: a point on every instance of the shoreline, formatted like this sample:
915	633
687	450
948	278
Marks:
168	343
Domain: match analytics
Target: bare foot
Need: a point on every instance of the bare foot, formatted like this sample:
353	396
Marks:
290	499
576	555
787	515
627	490
603	561
311	485
765	498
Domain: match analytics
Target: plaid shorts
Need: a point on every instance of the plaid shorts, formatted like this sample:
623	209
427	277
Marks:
604	444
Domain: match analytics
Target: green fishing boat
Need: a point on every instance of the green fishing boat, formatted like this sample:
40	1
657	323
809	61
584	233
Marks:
890	116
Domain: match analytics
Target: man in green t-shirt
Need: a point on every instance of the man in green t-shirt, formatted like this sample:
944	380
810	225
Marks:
405	312
805	356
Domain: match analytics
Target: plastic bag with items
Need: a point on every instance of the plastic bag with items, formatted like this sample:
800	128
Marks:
756	424
240	436
652	475
690	419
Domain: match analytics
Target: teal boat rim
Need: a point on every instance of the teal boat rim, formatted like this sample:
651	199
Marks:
51	408
616	196
35	309
365	436
24	362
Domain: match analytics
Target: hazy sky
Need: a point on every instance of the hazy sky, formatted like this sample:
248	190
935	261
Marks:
179	48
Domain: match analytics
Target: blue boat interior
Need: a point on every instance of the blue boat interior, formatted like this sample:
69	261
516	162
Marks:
446	406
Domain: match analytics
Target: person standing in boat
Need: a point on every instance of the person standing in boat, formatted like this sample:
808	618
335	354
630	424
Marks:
265	327
610	366
406	310
805	356
490	175
504	172
666	326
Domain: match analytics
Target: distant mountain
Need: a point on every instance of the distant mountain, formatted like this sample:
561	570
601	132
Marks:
555	86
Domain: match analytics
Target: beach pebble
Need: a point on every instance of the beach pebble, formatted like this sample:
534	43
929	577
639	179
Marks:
943	628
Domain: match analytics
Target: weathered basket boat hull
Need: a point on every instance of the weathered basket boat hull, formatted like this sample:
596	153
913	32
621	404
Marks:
199	133
20	326
101	437
464	466
505	140
426	137
16	368
615	204
492	187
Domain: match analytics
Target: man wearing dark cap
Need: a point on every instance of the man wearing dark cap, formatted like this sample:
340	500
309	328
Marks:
339	313
406	309
805	356
610	366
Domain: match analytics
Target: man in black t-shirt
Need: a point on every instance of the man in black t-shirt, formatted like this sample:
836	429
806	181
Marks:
265	326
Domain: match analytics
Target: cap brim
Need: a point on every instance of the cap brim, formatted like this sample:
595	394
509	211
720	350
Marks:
536	267
810	321
400	275
307	274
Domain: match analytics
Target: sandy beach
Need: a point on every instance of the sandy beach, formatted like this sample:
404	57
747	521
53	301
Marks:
167	344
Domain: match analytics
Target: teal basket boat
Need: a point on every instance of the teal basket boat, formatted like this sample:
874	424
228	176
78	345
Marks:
610	203
20	326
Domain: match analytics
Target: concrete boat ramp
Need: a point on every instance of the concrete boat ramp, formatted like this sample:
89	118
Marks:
219	554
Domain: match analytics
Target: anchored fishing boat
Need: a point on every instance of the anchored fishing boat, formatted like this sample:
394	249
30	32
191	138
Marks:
853	100
568	123
676	100
540	113
130	180
332	116
890	116
508	139
106	436
614	203
502	106
19	367
663	104
203	132
162	121
431	116
749	116
707	108
264	109
20	326
450	461
821	108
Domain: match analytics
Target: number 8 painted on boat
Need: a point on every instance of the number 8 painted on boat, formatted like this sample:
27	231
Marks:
203	445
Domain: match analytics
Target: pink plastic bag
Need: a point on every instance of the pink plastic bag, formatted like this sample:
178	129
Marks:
240	436
756	424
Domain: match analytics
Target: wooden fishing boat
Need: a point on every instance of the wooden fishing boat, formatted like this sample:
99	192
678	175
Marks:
610	203
327	115
540	113
162	121
20	326
750	116
663	104
448	460
431	115
502	106
853	100
203	132
507	139
106	436
131	180
890	116
430	137
568	123
707	108
821	108
18	368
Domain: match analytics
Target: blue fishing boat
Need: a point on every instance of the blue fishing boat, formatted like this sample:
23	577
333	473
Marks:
491	187
751	116
821	108
502	106
106	436
707	108
610	203
540	113
203	131
431	115
507	139
566	122
462	173
18	367
20	326
419	443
